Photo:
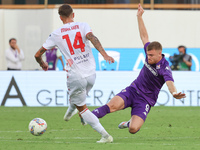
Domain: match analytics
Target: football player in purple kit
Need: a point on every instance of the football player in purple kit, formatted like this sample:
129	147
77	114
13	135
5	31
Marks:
143	92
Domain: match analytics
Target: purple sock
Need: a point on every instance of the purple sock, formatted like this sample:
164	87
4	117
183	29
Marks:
101	111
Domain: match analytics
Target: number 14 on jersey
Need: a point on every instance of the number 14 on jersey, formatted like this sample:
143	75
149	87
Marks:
78	43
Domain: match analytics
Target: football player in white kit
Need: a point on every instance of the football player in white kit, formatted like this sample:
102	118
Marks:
73	41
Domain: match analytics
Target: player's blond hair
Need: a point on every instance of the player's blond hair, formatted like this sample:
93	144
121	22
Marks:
154	45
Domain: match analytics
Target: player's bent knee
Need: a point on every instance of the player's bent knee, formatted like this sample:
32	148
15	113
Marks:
112	107
134	130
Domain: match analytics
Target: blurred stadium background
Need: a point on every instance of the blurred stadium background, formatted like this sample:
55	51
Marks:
173	23
114	22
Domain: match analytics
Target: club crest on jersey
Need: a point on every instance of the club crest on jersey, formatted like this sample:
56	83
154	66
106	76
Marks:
157	66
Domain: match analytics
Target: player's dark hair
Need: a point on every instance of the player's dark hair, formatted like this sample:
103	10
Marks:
12	39
65	10
154	45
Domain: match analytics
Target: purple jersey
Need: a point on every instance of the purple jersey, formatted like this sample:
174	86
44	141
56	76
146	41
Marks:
51	58
151	78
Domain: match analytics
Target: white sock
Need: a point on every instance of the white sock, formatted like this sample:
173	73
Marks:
93	121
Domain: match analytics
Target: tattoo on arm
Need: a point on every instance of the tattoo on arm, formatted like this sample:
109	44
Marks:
95	41
39	60
42	51
38	55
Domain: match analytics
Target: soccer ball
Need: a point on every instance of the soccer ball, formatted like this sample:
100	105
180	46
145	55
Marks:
37	126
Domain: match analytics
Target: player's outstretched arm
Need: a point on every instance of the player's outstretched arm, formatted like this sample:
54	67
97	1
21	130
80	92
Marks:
95	41
173	91
142	29
38	57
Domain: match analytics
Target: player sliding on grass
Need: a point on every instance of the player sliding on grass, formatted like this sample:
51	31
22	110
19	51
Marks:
73	41
143	92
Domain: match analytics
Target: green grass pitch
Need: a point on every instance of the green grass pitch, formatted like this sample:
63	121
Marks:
166	128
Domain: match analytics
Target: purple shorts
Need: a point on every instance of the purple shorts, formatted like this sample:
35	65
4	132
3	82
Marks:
133	99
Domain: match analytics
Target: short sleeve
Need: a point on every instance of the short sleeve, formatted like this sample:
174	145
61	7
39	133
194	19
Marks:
145	47
50	42
87	29
167	74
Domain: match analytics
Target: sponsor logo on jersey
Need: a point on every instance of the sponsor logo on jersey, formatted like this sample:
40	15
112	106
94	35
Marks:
153	70
81	57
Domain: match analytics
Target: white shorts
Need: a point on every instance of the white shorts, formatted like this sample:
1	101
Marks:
78	89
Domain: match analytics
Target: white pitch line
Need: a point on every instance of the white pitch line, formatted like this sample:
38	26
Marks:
14	131
65	138
75	142
47	130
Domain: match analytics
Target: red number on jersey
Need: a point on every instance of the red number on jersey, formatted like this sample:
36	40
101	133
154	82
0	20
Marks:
78	43
68	43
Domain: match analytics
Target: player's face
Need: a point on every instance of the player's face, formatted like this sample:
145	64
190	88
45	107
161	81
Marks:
153	56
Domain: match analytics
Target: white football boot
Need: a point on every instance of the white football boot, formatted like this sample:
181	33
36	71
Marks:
67	116
124	124
109	139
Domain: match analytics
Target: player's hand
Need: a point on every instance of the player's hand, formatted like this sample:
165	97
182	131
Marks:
179	95
44	66
140	10
109	59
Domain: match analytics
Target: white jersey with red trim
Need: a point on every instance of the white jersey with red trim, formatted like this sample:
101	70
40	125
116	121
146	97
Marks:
73	44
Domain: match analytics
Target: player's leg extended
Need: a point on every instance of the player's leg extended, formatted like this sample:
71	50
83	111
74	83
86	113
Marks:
135	124
70	112
115	104
140	110
73	90
79	99
93	121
